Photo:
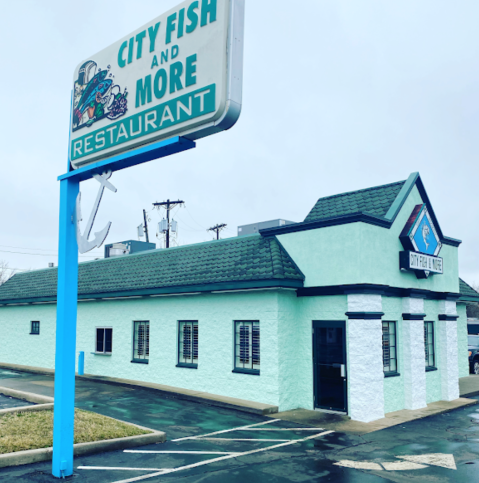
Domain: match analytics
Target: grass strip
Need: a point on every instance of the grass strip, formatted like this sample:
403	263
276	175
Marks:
33	430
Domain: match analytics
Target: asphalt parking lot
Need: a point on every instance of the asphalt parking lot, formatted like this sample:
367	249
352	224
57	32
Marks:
211	444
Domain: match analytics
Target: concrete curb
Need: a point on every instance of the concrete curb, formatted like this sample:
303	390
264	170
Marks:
27	409
80	449
26	396
45	454
167	391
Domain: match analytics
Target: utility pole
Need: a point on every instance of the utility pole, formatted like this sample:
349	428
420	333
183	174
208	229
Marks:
169	205
146	227
217	229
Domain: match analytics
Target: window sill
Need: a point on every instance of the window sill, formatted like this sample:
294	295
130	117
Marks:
253	372
34	333
140	361
101	353
430	369
187	366
391	374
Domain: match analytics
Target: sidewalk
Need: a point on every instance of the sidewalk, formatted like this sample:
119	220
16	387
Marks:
469	386
168	391
122	400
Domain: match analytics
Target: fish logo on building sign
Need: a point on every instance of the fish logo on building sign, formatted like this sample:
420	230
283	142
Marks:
95	96
422	242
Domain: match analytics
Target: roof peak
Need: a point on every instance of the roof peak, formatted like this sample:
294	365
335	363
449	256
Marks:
375	200
362	190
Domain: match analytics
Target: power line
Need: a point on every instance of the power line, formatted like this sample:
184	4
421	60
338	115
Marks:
186	224
44	254
191	216
22	269
217	229
26	248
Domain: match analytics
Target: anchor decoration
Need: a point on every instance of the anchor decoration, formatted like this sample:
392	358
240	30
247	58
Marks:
85	245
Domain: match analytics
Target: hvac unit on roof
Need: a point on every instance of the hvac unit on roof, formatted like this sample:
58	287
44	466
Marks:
118	249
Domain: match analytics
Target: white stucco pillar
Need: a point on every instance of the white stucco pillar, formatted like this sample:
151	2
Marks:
413	367
365	358
448	357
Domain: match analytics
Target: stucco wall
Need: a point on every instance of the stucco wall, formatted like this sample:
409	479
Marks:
286	376
17	346
364	253
394	386
292	347
433	378
215	313
462	351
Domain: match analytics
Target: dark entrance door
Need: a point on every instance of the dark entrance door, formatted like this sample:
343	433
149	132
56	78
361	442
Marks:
329	360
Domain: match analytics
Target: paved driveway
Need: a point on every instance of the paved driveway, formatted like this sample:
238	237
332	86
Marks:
210	444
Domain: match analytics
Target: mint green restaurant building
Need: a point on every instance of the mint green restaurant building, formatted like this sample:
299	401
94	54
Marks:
357	309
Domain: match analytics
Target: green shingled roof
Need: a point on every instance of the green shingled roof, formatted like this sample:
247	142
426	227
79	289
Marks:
466	290
245	259
375	201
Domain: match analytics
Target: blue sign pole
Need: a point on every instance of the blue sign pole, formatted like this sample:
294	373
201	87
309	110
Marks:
67	292
67	295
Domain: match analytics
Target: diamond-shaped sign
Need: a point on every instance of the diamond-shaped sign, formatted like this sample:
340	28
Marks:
422	244
424	236
420	234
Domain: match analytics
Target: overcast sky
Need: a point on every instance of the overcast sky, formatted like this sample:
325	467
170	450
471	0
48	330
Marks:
338	96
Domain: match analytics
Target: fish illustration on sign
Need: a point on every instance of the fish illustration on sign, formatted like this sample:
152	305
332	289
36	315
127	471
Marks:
425	234
96	96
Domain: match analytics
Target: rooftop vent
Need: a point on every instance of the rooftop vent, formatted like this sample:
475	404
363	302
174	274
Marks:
256	227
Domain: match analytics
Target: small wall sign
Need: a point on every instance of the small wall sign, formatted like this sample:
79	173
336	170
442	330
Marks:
420	262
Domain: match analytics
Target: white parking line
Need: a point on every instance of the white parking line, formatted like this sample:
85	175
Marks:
281	429
178	452
226	430
120	468
223	458
237	439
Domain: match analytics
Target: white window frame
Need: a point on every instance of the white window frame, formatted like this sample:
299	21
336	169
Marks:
146	350
104	328
251	363
191	362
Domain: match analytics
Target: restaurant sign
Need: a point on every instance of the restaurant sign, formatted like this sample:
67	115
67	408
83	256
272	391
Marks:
422	243
179	75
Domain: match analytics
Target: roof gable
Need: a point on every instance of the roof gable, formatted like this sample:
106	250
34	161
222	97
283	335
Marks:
467	292
246	259
375	201
378	206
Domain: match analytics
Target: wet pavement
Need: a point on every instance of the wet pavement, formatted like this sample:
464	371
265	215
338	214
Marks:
8	402
268	453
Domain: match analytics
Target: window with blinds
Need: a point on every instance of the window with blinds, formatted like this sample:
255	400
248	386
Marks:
247	347
390	362
141	341
429	345
104	340
188	343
